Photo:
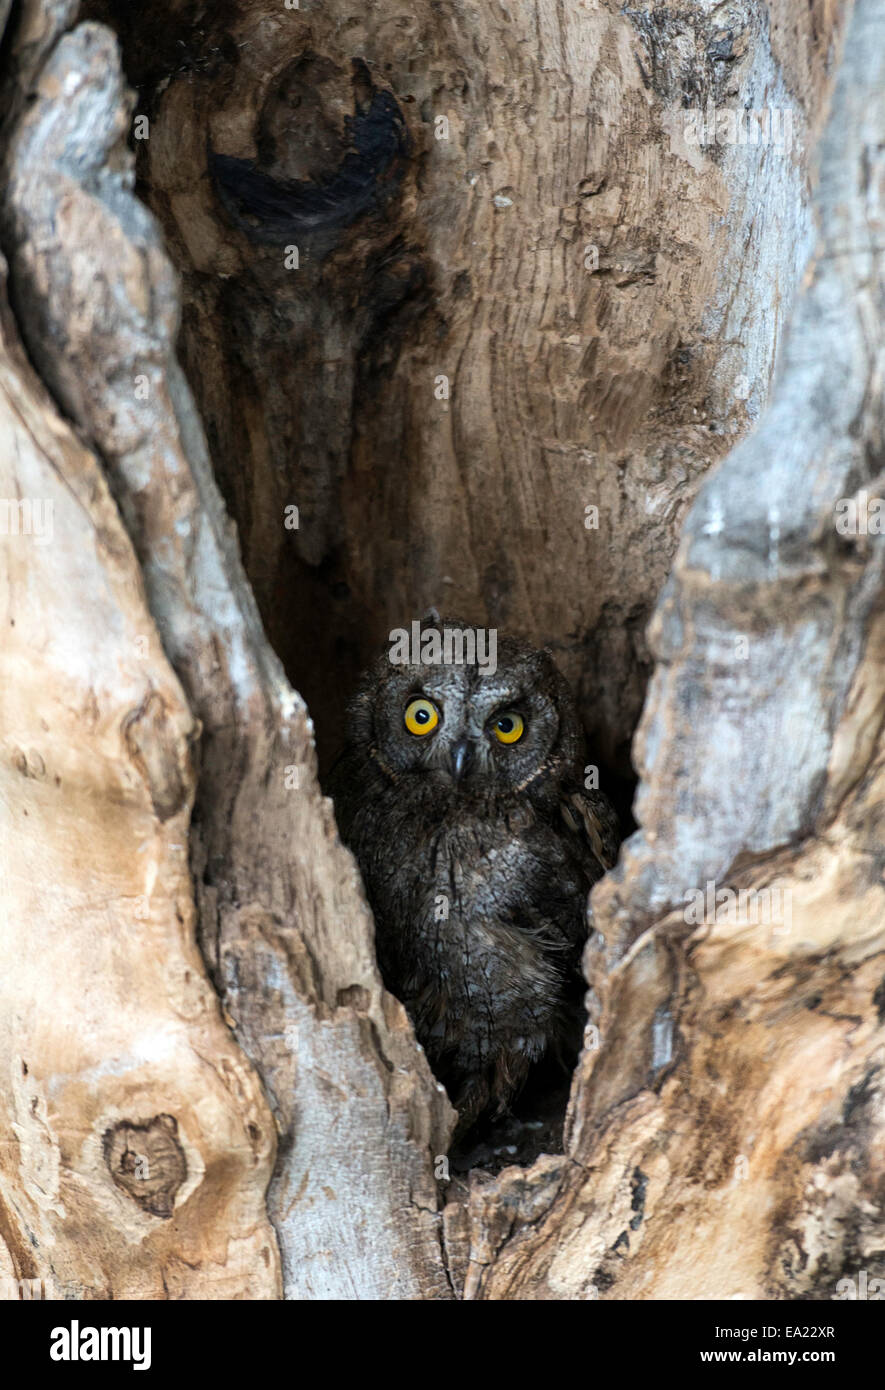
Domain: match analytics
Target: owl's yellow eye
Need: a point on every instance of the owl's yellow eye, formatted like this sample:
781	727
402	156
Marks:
509	727
421	717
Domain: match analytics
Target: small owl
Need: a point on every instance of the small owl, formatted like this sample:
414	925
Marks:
461	792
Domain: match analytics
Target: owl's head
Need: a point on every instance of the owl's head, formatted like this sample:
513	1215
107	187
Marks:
482	727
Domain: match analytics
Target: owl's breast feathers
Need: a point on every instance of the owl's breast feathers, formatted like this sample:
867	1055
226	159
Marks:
481	915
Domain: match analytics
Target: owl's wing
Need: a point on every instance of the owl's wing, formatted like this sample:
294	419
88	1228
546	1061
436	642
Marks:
591	815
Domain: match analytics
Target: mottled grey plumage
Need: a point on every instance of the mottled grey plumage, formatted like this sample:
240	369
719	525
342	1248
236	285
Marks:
477	858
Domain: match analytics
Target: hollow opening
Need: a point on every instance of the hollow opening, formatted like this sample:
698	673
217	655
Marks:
417	391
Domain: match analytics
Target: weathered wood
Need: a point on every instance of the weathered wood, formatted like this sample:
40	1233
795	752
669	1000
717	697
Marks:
725	1140
279	1132
282	920
569	387
136	1141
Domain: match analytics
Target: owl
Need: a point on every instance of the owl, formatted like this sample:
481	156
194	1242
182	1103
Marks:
460	790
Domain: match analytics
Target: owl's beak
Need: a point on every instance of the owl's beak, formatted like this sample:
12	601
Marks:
462	756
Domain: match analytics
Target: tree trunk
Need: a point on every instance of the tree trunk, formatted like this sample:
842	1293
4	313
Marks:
444	304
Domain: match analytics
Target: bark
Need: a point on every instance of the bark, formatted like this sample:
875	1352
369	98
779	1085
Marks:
208	1092
570	387
725	1140
282	923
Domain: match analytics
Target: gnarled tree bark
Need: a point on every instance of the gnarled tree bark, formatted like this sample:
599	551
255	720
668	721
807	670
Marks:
208	1093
